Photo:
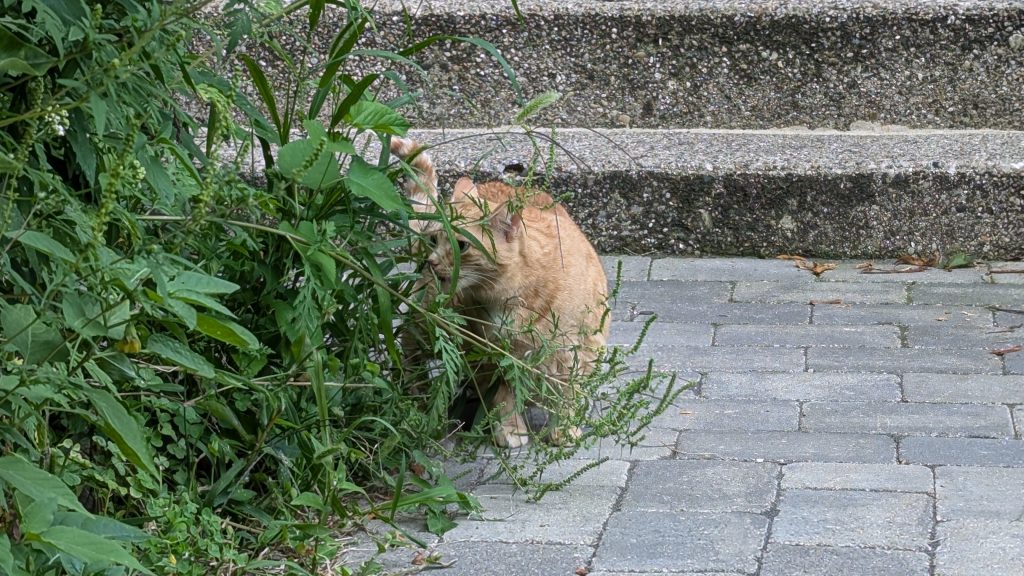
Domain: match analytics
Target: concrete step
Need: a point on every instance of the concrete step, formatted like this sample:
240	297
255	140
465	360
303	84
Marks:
717	64
823	193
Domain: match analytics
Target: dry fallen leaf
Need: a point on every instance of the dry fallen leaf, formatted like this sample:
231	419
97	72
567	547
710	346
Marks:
1005	351
904	270
815	268
417	469
789	257
419	558
917	260
582	571
864	265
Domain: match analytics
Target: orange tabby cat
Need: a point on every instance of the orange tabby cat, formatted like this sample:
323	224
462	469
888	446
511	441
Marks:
540	280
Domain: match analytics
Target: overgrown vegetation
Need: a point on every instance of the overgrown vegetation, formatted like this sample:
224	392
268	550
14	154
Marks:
199	375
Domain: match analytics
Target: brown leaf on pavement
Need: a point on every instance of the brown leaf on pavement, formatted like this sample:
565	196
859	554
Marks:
904	270
419	558
918	260
789	257
1005	351
815	268
582	571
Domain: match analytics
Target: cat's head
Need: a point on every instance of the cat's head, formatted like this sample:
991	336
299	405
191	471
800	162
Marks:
487	238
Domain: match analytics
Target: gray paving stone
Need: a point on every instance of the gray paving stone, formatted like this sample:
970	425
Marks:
610	473
634	268
842	518
980	547
808	335
657	443
848	272
975	420
1014	363
962	451
787	446
711	312
1007	319
787	560
901	360
973	295
802	386
573	515
806	292
637	540
980	493
1012	272
480	558
846	476
701	486
964	388
1018	420
901	315
663	296
946	336
727	269
660	334
747	415
704	358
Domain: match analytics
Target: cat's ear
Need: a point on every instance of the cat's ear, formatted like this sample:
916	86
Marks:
464	187
510	225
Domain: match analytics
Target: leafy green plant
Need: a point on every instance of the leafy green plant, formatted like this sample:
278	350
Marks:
196	369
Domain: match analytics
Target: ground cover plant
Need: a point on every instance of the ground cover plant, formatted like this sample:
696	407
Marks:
200	374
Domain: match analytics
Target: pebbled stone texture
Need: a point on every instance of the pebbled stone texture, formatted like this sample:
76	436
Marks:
787	446
982	493
802	386
876	477
721	64
974	420
981	388
962	451
970	547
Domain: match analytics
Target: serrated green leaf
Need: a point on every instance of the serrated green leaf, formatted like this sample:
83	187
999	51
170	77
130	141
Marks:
366	181
90	547
375	116
323	169
227	331
202	283
38	515
124	430
36	483
82	312
42	243
180	354
19	57
438	522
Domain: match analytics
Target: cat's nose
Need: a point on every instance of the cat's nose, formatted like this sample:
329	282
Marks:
433	261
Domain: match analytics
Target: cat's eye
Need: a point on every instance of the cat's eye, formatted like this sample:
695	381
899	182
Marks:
463	245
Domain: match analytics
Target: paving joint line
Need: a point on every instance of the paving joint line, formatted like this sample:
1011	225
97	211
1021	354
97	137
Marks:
616	507
771	513
933	534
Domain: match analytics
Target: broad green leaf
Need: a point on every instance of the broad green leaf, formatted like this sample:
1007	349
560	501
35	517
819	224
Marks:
38	515
36	483
226	331
124	430
6	558
438	521
184	311
375	116
310	162
34	339
98	107
958	260
180	354
82	312
101	526
203	300
43	243
90	547
366	181
19	57
7	163
202	283
309	500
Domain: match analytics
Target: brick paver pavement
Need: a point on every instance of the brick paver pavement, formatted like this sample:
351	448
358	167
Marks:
851	424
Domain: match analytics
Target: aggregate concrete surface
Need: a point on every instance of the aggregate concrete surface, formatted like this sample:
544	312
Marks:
858	435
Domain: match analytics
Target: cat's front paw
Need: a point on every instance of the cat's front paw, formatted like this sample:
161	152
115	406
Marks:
511	436
562	436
